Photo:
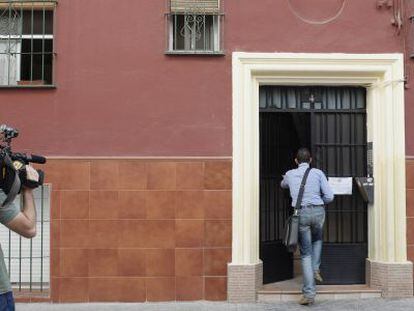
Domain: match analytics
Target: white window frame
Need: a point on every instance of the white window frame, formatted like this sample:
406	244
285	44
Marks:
25	7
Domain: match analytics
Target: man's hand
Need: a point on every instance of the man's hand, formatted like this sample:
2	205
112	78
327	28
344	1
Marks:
284	183
25	222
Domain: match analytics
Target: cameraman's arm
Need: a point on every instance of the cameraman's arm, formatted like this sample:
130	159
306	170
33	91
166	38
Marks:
25	222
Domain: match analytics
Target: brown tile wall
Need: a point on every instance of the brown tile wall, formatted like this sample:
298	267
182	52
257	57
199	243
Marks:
140	230
158	230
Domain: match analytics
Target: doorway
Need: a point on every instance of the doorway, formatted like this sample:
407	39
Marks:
331	122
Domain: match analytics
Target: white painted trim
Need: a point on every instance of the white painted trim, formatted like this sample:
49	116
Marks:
19	37
186	158
382	75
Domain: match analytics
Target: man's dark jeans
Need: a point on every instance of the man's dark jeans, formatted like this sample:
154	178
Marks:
7	302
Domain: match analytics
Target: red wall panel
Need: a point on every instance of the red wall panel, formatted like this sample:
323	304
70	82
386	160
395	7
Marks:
118	94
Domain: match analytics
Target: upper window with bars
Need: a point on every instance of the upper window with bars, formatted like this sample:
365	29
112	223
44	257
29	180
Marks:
26	43
195	27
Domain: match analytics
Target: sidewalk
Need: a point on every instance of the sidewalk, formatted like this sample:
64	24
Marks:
344	305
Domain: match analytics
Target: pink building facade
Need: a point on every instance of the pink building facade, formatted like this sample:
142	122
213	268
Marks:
140	139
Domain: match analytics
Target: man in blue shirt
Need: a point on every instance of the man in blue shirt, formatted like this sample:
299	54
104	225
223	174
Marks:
316	194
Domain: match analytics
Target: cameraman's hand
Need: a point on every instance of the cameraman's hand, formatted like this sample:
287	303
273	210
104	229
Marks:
32	174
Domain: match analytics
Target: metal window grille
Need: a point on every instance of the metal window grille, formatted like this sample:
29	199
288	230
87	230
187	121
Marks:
26	42
28	260
195	27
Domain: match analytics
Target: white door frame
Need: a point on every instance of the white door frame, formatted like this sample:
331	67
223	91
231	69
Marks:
382	75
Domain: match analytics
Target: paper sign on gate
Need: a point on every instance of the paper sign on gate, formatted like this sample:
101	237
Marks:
341	185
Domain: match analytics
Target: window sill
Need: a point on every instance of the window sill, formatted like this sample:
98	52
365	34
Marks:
49	86
192	53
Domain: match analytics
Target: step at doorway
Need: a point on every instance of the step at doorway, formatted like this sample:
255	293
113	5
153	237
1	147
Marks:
291	290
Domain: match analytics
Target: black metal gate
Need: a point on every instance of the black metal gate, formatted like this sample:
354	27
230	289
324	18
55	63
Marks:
331	121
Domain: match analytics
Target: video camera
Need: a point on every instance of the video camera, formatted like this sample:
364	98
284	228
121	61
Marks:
13	166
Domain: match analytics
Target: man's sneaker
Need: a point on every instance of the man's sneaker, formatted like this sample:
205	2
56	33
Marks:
318	277
306	301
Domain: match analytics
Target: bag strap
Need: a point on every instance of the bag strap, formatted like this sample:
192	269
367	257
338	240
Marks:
302	190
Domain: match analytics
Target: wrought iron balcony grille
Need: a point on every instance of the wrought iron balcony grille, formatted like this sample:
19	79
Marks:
195	27
26	43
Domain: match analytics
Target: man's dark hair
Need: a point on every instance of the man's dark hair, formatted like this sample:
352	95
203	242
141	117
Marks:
303	155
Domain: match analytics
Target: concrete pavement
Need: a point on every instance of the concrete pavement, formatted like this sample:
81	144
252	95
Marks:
335	305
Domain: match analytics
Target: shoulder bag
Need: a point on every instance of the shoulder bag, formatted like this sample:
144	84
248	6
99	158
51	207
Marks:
292	224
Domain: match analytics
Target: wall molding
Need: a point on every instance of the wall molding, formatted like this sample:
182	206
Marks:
382	75
139	158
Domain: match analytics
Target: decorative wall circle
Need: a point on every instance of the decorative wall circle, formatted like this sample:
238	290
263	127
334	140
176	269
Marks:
295	8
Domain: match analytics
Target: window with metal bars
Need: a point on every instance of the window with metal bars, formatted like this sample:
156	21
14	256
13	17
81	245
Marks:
195	27
28	260
26	42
